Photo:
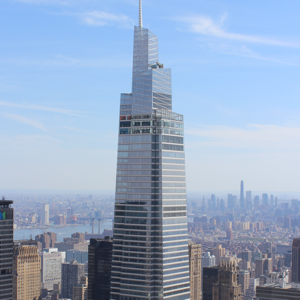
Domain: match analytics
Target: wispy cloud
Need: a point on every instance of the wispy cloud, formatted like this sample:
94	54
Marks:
50	109
244	51
255	136
101	18
205	25
24	120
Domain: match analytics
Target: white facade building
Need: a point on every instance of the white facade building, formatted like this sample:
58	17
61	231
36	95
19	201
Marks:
51	261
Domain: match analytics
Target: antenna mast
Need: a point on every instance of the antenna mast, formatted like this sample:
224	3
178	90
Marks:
141	15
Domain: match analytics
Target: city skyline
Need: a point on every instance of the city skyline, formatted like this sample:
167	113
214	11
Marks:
238	79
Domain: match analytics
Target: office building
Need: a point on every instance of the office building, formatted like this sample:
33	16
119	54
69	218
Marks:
150	210
229	235
99	268
242	200
296	260
246	255
27	273
210	277
287	222
251	291
263	266
244	280
276	292
218	252
80	256
44	214
6	248
51	262
195	256
227	287
70	277
46	240
80	291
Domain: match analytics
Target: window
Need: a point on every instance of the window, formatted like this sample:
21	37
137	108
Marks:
125	124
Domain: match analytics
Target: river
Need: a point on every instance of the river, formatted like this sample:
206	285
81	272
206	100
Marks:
62	232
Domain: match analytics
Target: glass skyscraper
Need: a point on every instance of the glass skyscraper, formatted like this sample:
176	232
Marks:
150	245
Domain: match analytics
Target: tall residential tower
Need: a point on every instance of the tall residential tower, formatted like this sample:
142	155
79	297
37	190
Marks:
150	248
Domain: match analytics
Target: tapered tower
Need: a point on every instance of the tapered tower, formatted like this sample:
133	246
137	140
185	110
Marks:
150	249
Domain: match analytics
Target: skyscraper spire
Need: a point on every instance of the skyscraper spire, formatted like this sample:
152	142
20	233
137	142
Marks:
141	15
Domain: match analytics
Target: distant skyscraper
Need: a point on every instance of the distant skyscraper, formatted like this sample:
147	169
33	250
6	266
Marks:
265	199
244	280
100	257
256	203
229	234
230	202
6	249
44	214
150	248
71	274
287	222
272	200
242	200
296	260
246	255
213	200
263	266
218	252
195	256
248	200
27	273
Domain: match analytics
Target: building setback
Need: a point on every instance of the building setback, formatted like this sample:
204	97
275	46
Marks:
27	273
150	250
6	248
99	268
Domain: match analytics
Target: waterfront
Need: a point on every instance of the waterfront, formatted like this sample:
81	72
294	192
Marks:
62	232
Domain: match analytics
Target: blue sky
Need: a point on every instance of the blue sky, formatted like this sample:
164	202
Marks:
235	68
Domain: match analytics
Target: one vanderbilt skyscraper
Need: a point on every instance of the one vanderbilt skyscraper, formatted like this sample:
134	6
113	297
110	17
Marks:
150	247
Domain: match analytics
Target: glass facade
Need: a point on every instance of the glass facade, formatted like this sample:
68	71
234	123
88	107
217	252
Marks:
6	249
150	245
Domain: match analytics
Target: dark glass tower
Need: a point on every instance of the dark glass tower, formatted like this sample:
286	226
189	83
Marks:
6	248
150	248
99	269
